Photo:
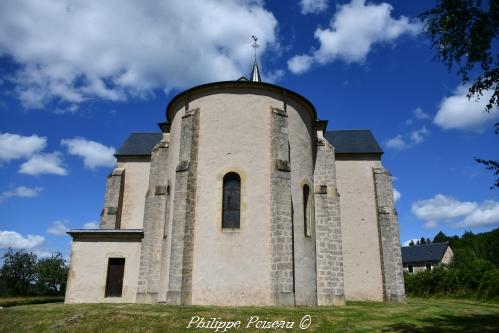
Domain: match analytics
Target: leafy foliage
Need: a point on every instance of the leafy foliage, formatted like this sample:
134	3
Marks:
463	33
24	274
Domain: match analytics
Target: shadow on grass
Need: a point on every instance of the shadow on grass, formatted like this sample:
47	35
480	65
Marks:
450	323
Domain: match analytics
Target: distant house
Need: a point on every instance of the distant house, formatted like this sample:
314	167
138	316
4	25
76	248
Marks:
425	257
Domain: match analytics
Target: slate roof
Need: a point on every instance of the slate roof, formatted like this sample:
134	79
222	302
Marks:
139	144
344	141
423	253
353	141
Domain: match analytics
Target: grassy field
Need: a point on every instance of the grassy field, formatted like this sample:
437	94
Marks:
418	315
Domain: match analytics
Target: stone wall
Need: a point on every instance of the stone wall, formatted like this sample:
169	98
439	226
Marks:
391	254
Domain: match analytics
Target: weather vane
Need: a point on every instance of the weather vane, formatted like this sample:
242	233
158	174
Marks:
254	45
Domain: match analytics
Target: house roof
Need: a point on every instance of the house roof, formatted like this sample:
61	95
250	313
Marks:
423	253
353	141
344	141
139	144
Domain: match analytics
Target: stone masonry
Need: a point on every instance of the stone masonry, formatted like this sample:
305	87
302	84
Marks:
391	257
111	214
281	211
182	238
154	223
329	254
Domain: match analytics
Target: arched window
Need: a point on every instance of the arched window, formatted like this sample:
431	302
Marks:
307	212
231	210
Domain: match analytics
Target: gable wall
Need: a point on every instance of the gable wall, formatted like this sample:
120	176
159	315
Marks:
359	227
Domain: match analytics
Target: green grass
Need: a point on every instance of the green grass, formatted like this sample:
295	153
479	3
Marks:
418	315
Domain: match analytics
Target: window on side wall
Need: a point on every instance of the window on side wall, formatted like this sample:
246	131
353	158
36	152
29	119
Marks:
231	209
307	212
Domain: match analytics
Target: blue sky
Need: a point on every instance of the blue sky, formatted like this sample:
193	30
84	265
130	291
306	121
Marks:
76	78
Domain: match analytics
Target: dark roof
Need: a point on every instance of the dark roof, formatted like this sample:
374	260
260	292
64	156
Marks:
139	144
344	141
353	141
423	253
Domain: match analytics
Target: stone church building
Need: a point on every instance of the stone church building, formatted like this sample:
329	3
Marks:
242	198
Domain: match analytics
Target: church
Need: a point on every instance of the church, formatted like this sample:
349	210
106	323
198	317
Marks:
242	198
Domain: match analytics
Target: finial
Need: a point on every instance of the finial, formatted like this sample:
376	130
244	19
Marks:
255	73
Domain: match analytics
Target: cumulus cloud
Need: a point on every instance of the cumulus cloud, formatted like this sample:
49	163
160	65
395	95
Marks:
460	113
420	114
353	31
91	225
17	241
14	146
58	228
94	154
21	192
457	213
396	195
397	143
313	6
409	140
418	136
44	164
71	51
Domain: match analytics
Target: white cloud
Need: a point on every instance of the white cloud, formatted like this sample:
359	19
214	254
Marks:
486	214
406	243
353	31
396	195
94	154
71	51
420	114
313	6
401	142
418	136
21	192
44	164
14	146
458	112
59	228
91	225
17	241
457	213
397	143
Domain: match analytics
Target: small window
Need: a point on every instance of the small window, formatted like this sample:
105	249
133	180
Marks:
428	267
410	269
307	212
231	201
114	281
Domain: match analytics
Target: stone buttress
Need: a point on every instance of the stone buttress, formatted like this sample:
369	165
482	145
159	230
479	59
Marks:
328	240
281	210
389	239
184	204
154	224
111	214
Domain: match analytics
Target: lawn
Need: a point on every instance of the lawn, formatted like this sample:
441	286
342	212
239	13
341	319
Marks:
418	315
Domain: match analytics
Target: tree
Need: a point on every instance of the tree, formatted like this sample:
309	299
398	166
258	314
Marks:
440	238
18	272
411	243
51	275
422	241
463	33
